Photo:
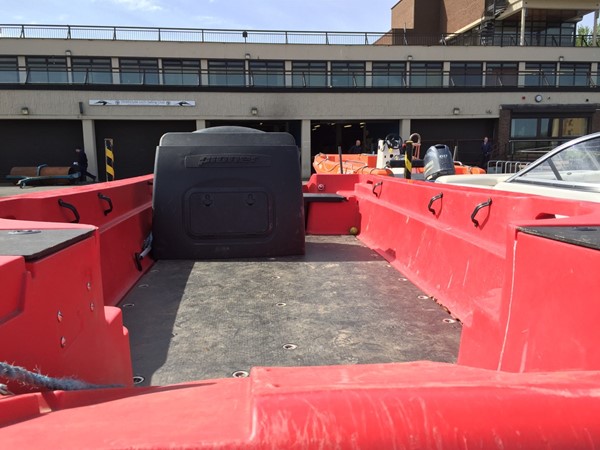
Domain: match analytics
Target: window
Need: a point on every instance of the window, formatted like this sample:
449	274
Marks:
91	70
466	74
548	127
9	69
540	74
348	74
574	74
139	71
181	72
267	73
42	69
501	74
309	74
226	73
524	128
425	74
389	74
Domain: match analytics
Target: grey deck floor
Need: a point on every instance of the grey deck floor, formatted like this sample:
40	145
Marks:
341	303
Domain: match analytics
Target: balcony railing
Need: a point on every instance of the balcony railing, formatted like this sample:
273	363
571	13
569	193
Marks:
394	37
23	77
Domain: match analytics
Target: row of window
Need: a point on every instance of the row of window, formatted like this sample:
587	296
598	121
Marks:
187	72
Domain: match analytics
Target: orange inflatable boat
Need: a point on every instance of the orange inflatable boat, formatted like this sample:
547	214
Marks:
362	163
366	164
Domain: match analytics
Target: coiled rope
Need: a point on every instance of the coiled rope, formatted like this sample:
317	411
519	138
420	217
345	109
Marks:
36	380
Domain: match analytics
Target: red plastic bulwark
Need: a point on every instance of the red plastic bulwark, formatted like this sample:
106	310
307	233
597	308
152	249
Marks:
122	230
57	314
412	405
528	374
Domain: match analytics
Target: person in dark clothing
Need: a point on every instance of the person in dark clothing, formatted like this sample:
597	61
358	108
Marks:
356	148
82	163
486	152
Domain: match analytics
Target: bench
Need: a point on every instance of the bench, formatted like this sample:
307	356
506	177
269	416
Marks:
43	174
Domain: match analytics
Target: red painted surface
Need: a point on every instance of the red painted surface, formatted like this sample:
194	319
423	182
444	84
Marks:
528	373
122	231
412	405
57	323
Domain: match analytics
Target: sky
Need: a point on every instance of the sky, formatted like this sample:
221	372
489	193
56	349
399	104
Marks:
290	15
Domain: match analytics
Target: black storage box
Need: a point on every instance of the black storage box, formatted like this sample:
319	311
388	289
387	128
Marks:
227	192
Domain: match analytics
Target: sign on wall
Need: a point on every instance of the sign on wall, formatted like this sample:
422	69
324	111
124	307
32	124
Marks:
105	102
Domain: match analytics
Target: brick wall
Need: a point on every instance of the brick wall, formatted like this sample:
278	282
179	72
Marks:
436	16
503	133
455	14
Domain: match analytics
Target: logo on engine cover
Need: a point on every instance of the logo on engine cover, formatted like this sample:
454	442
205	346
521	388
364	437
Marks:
226	160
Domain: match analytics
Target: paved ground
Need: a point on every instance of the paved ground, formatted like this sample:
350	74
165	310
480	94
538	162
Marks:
341	303
7	190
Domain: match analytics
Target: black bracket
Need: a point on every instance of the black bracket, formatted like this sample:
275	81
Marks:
109	201
433	199
375	186
71	207
476	210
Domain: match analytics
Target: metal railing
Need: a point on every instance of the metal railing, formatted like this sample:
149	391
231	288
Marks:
409	79
393	37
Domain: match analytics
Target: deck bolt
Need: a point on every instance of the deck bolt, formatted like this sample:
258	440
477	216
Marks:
290	346
89	286
92	306
63	342
137	379
422	297
240	374
449	321
321	187
59	316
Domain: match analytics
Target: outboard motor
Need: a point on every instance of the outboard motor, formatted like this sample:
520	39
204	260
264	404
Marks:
438	162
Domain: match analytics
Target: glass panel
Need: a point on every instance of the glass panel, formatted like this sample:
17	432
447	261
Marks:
139	71
47	69
269	73
388	74
574	127
426	74
348	74
309	74
9	70
181	72
226	73
501	74
466	74
523	128
578	164
574	74
542	74
91	70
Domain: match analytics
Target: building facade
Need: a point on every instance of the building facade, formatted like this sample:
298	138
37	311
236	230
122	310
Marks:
452	70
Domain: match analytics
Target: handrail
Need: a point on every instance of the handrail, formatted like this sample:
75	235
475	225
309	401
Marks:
203	35
408	79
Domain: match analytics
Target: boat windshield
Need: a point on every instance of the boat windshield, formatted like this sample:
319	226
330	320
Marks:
574	165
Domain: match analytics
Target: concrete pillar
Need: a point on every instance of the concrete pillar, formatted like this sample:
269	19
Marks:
595	27
404	129
523	16
305	156
89	145
200	124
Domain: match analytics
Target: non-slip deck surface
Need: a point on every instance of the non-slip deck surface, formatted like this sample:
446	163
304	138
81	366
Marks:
341	303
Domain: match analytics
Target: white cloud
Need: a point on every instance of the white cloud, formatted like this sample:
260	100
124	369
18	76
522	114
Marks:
140	5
